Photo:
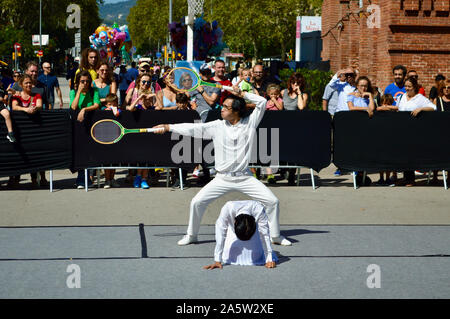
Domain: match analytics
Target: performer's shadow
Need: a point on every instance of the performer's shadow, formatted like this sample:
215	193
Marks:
292	233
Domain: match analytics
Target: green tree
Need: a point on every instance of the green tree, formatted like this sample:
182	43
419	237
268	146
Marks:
20	20
148	22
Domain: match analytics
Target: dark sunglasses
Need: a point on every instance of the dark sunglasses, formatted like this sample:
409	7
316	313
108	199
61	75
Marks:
348	75
446	87
84	81
146	82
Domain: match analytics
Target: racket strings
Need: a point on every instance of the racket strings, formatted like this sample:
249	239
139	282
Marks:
106	132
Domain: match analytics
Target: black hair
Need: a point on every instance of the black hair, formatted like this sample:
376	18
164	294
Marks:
238	105
244	226
439	77
182	98
400	67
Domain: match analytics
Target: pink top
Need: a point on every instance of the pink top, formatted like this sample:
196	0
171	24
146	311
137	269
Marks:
271	106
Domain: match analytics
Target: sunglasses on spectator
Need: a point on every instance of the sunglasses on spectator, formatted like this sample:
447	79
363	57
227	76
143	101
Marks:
84	81
146	82
446	87
349	75
414	76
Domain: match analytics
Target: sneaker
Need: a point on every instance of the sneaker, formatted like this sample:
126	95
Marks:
80	186
107	184
381	182
418	173
337	173
271	179
196	173
281	240
144	184
137	181
44	183
10	136
187	239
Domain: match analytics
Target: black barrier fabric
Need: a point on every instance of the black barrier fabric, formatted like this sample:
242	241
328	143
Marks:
303	137
143	149
391	141
43	143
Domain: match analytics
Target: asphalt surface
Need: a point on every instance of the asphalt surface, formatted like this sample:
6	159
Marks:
369	243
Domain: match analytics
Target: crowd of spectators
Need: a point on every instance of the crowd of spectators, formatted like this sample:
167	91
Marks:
95	85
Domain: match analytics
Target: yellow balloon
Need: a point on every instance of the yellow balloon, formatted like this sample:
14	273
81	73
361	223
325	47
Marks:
100	29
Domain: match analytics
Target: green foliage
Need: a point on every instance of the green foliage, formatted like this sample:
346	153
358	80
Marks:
255	28
19	20
316	81
149	19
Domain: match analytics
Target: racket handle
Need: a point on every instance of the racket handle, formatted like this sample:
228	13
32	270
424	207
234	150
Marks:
152	130
228	88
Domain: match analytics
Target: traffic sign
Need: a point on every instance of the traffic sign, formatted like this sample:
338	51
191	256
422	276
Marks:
158	54
40	53
17	46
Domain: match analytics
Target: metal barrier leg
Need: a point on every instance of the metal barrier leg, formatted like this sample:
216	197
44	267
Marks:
51	181
354	180
298	175
181	178
364	178
98	178
86	179
312	179
445	179
428	177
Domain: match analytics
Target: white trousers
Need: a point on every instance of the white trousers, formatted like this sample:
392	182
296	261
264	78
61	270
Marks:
223	184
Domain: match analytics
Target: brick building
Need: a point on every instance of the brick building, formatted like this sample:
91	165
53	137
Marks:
415	33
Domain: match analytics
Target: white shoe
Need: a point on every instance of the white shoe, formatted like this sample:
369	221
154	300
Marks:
187	239
280	241
107	184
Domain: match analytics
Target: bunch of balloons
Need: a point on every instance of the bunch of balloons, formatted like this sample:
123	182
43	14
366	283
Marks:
113	44
207	38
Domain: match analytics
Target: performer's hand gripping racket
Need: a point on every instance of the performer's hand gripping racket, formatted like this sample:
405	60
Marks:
111	131
187	80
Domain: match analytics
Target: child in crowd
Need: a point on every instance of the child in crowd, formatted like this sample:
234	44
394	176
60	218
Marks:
244	84
275	103
386	103
5	113
183	102
112	104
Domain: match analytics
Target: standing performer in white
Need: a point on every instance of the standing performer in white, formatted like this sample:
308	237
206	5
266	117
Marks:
242	236
233	139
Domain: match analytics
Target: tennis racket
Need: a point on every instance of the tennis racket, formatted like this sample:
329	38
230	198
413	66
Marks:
110	131
187	80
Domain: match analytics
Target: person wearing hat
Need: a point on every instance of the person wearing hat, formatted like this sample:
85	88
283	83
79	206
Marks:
242	236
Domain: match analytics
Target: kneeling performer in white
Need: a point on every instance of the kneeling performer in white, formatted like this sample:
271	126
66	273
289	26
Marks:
242	236
233	138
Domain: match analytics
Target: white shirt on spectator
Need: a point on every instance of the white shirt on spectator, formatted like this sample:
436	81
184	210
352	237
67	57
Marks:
414	103
231	250
343	88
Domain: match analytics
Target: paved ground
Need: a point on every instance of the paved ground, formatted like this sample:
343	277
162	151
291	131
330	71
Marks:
344	240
